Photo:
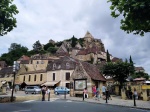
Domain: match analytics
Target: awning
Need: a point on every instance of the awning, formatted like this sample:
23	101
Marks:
50	83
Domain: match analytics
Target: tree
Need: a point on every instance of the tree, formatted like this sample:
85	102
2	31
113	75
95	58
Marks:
132	65
108	57
141	74
48	45
15	52
118	71
7	20
37	46
52	50
136	15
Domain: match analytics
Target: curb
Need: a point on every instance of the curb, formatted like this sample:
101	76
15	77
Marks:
110	104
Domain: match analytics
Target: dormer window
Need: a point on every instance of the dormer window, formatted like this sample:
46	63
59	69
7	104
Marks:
67	64
54	65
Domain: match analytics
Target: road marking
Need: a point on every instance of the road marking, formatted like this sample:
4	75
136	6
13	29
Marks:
68	101
22	111
28	101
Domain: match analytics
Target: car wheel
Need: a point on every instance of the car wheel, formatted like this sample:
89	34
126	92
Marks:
68	92
26	92
56	92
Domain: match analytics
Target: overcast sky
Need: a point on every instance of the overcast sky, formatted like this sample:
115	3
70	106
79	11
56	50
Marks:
61	19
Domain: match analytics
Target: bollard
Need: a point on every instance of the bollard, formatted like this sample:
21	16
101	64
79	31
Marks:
65	94
83	96
134	100
49	96
106	95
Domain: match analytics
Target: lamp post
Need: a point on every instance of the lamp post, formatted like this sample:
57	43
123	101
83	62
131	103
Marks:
15	68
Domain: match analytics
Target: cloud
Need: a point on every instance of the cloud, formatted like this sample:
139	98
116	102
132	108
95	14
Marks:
61	19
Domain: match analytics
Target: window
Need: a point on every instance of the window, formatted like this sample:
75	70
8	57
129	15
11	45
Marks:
53	76
67	64
24	78
67	76
41	77
42	62
35	78
29	77
54	65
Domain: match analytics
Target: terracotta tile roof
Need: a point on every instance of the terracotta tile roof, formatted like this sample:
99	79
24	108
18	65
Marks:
89	50
23	58
93	71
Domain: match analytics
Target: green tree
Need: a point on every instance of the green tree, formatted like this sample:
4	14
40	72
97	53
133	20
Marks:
7	20
140	74
136	15
15	52
48	45
118	71
52	50
108	57
132	68
37	46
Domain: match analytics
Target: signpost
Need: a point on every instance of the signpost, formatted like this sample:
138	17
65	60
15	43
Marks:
15	69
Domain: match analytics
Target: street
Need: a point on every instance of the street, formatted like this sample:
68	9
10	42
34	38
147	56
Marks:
58	105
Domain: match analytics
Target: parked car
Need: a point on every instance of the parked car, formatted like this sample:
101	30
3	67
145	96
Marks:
61	90
32	89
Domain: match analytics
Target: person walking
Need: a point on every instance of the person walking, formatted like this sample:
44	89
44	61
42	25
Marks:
98	94
135	94
94	91
85	93
48	93
43	92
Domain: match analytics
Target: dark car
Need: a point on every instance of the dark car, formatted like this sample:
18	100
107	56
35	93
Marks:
61	90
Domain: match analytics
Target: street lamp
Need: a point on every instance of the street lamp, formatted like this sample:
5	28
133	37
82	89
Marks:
15	69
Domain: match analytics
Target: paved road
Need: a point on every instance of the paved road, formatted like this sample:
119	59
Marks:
58	105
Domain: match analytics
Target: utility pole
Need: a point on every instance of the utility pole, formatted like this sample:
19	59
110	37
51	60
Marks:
15	68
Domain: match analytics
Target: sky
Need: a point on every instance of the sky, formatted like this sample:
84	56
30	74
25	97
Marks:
61	19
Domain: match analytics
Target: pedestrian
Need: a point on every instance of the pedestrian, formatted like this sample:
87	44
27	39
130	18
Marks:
94	91
103	90
135	94
48	93
98	94
16	88
43	92
85	93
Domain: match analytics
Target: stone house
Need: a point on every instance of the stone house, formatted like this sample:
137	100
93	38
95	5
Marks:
59	72
6	76
85	75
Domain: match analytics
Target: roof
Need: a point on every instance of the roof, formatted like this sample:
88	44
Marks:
93	71
139	79
64	63
24	57
139	68
32	72
88	34
6	71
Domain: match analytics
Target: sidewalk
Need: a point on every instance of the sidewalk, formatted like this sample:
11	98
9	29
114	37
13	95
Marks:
116	101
